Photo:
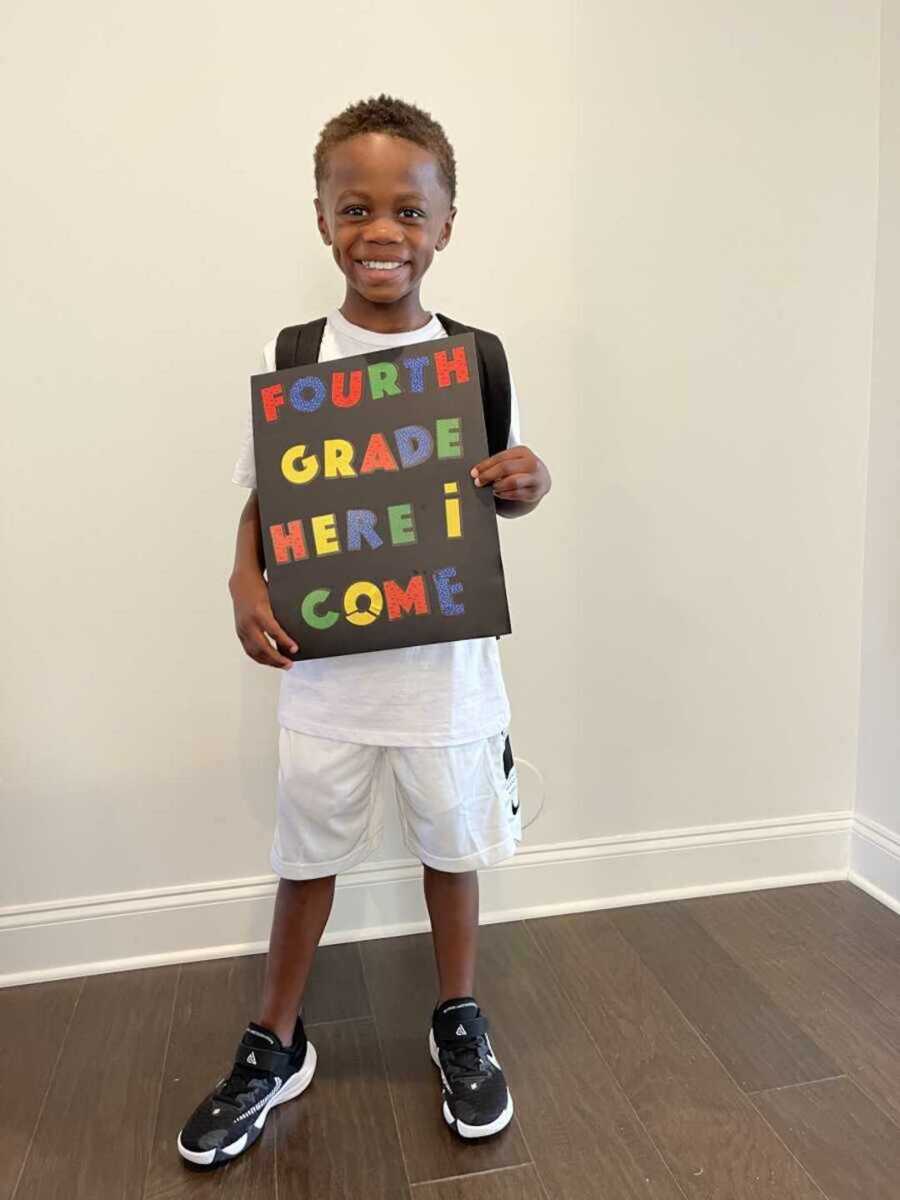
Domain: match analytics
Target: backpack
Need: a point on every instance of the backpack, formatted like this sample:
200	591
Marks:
299	344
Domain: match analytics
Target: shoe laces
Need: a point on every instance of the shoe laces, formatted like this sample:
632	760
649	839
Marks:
239	1082
465	1057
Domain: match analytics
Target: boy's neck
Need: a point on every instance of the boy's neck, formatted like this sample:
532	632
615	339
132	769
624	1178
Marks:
404	316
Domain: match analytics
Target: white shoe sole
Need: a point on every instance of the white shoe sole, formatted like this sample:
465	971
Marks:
297	1083
464	1130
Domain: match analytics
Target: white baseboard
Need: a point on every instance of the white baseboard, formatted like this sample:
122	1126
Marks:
875	861
128	931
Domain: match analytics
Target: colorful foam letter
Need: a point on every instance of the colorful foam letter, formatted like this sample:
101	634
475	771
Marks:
340	398
446	590
383	380
361	528
354	593
458	365
308	610
272	399
312	384
411	599
414	444
288	542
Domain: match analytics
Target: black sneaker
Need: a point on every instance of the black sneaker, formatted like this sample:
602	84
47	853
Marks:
477	1102
231	1118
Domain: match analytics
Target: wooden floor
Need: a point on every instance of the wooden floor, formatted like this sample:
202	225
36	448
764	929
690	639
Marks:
717	1049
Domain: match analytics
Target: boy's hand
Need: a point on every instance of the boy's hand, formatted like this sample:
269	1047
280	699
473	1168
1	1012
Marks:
254	619
516	474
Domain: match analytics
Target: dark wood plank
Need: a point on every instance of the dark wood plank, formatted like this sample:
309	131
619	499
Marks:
849	1146
862	1036
511	1183
868	950
336	990
773	923
402	983
33	1023
711	1136
745	925
855	908
758	1042
213	1004
342	1143
584	1137
838	905
95	1132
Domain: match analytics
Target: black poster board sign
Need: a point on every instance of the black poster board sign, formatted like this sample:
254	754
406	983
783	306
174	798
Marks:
374	532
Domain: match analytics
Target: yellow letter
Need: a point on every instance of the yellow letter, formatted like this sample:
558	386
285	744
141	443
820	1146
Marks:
325	535
352	596
309	467
338	458
452	513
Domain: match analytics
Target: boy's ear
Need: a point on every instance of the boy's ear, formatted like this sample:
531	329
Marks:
321	222
446	230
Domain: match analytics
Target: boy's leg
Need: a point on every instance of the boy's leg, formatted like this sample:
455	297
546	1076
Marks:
459	811
452	899
328	818
302	908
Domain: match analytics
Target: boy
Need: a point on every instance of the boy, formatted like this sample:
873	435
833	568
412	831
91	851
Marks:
386	185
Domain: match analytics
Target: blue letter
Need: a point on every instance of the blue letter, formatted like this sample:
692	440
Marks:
307	403
414	445
361	525
416	368
446	591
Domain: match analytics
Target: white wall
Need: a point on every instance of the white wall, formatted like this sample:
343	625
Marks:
728	158
876	850
668	212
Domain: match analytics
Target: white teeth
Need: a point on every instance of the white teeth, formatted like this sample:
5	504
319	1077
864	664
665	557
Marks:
380	266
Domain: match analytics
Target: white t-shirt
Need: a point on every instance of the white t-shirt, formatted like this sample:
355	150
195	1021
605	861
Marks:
438	695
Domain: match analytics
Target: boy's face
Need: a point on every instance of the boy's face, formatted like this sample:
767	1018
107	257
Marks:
383	201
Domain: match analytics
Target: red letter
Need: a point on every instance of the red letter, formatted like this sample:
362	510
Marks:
272	397
400	602
458	366
378	456
288	542
338	397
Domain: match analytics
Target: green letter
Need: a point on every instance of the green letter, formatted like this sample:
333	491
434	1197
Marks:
401	523
311	603
383	380
449	437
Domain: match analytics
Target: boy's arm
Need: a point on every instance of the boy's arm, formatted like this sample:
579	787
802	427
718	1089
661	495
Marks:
520	480
254	620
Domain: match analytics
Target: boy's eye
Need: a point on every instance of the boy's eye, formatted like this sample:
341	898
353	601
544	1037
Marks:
359	210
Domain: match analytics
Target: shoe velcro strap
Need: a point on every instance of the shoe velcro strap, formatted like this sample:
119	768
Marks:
276	1061
448	1027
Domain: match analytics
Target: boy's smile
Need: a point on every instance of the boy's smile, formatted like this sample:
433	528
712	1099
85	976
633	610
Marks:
384	208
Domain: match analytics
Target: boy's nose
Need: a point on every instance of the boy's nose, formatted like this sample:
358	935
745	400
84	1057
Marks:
384	231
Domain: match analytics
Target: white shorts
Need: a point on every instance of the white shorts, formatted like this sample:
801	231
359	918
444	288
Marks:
458	805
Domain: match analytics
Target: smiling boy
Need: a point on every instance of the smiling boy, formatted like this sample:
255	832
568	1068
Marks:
385	193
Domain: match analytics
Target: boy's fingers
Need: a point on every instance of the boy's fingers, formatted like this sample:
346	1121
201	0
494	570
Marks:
262	651
497	471
258	647
513	482
527	497
283	640
489	462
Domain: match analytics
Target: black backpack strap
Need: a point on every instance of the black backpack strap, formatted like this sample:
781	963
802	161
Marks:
496	392
298	345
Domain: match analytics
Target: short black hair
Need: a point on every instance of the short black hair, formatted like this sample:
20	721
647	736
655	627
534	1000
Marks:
386	114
